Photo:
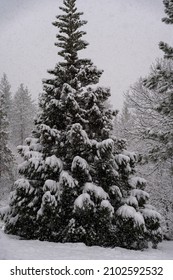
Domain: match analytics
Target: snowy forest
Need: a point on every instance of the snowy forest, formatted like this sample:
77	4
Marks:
72	169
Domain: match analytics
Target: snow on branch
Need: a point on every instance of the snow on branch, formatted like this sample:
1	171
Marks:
127	212
122	159
140	194
47	130
66	90
82	201
131	155
116	191
33	144
76	132
51	185
106	145
67	180
137	182
23	184
36	161
106	204
79	164
132	201
98	192
22	150
150	213
54	163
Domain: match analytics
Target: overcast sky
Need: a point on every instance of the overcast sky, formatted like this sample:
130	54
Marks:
123	38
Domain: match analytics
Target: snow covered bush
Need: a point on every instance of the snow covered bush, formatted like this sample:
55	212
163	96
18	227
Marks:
77	178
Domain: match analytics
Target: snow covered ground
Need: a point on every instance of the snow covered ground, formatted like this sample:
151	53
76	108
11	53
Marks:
11	247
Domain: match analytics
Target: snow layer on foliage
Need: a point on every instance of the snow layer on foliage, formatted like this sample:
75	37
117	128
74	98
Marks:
151	214
77	130
79	162
85	137
22	149
22	184
36	160
135	181
54	163
33	159
33	144
83	200
54	101
122	159
30	154
131	200
127	212
14	248
106	204
106	144
71	99
49	199
127	169
131	155
23	166
140	194
139	219
67	180
66	89
50	185
98	192
50	131
116	190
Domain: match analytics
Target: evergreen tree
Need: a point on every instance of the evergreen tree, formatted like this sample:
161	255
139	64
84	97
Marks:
5	90
79	183
124	123
23	113
6	157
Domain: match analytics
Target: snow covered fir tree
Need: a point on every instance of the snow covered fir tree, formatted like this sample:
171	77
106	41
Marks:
78	183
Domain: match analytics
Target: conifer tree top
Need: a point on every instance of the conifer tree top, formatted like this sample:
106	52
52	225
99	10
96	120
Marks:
69	24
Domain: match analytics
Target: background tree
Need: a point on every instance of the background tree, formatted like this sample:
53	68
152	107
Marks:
151	103
6	157
132	124
160	81
5	90
79	183
23	113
